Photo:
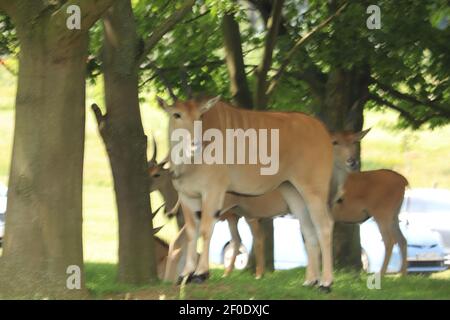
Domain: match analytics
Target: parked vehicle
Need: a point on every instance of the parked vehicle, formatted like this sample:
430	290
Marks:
425	249
430	208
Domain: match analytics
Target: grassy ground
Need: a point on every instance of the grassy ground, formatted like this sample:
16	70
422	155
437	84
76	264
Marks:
422	156
278	285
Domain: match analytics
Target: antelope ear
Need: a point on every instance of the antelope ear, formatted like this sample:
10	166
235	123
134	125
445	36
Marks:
362	134
164	165
209	104
163	104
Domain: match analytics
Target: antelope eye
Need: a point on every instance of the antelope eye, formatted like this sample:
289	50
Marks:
156	175
335	143
177	115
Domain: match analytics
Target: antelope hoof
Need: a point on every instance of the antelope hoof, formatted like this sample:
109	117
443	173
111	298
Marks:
325	289
310	283
200	278
180	279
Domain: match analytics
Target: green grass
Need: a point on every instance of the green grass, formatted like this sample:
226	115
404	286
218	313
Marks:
422	156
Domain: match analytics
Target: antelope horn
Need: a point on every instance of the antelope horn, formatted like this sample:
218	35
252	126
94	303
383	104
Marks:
352	114
164	161
172	94
164	81
156	230
155	149
157	210
174	210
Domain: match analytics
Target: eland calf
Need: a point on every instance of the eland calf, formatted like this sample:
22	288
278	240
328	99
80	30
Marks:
378	194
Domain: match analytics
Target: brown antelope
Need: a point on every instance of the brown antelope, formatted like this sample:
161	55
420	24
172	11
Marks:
161	251
160	179
378	194
303	177
272	204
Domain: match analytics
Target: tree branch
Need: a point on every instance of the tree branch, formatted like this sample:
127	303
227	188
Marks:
405	114
201	15
190	66
239	88
403	96
165	27
273	25
298	44
98	114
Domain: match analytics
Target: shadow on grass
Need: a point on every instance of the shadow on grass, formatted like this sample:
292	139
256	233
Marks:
101	279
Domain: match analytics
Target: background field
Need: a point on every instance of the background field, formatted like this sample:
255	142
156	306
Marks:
422	156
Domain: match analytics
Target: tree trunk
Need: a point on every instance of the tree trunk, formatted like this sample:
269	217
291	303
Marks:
269	259
273	26
235	62
44	215
126	144
242	97
339	111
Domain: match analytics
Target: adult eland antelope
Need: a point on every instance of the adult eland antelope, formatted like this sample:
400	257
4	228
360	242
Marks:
304	172
269	205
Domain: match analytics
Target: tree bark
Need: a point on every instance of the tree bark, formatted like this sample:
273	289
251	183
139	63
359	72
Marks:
260	102
273	26
235	62
242	97
123	134
269	259
340	112
44	215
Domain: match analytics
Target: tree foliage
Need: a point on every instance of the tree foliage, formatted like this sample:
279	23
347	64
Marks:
408	57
